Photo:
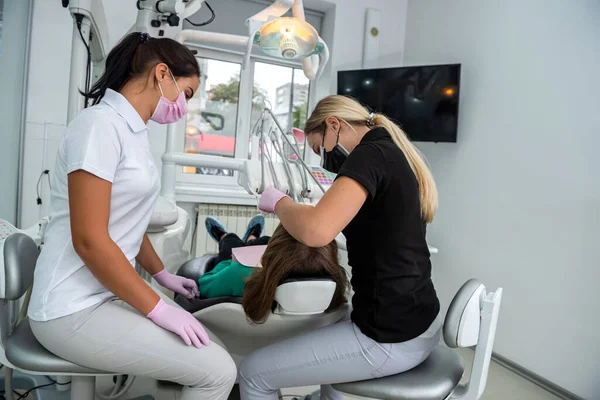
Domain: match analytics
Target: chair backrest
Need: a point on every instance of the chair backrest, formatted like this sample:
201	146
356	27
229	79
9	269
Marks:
461	327
471	321
20	255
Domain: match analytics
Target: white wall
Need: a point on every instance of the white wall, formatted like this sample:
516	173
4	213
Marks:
13	51
51	49
520	192
343	30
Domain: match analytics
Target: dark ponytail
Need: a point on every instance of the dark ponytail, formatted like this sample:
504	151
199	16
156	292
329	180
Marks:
135	54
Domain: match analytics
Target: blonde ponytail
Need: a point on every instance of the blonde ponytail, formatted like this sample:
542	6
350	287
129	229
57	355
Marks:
354	113
427	188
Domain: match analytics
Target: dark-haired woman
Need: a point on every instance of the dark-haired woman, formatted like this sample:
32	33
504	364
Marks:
89	306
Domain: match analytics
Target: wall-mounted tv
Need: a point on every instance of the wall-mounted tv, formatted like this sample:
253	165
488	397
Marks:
423	100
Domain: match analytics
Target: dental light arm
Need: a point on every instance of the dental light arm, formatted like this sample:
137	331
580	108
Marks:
277	9
288	38
314	65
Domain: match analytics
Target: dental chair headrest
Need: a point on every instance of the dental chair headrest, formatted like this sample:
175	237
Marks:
304	296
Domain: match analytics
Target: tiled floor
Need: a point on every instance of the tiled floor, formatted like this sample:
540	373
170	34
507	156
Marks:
502	384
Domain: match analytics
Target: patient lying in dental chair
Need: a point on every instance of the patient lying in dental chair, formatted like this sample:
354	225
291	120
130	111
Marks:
253	266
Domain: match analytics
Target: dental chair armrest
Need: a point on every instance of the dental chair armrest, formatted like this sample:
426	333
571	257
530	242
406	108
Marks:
195	268
197	304
304	296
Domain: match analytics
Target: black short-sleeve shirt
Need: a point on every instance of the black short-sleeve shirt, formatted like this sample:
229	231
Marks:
394	298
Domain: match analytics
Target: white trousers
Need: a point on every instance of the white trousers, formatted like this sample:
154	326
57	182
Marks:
114	337
335	354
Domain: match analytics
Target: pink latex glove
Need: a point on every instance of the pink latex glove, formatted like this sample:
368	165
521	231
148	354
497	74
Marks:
269	199
178	284
180	322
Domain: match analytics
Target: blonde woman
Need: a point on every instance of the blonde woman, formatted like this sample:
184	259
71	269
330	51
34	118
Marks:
382	200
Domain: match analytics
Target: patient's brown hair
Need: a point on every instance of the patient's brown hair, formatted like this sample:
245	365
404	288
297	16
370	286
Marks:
285	258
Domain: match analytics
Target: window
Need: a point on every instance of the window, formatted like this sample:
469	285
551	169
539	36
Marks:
212	114
286	90
225	110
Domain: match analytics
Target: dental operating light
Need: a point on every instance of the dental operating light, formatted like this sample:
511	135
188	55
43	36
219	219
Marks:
289	38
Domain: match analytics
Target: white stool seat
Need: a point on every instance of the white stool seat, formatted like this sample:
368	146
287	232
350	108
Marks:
25	352
434	379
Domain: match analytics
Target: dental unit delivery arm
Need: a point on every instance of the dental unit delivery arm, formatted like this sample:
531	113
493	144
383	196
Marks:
294	149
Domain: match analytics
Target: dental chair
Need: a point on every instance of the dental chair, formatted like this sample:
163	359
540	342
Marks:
300	306
470	322
23	352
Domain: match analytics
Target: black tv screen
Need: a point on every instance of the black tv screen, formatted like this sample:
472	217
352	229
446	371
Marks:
423	100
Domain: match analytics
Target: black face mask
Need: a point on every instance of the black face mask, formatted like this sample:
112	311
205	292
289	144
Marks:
332	160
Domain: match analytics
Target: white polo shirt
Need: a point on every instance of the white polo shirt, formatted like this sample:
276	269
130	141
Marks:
109	140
